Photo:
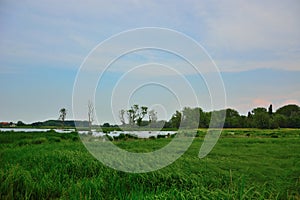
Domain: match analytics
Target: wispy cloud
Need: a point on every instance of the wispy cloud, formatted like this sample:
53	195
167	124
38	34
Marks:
237	34
242	37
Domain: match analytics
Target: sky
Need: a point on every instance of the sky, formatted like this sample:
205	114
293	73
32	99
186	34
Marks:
46	45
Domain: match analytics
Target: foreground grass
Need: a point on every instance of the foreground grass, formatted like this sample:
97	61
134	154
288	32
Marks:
245	164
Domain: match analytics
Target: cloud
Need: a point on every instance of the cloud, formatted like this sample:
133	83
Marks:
238	65
239	35
265	33
258	102
291	101
244	25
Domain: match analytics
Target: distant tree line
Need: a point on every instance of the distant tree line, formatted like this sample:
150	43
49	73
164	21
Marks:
287	116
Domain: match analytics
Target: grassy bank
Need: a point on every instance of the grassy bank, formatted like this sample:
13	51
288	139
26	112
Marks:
245	164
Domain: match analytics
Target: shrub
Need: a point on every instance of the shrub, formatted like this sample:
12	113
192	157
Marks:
39	141
109	137
24	142
54	139
75	138
160	136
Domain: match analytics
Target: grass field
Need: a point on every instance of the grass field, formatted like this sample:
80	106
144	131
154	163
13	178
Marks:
245	164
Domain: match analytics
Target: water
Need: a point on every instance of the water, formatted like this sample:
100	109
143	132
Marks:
36	130
139	134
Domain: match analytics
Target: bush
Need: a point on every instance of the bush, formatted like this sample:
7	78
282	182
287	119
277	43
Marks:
54	139
109	137
199	133
39	141
24	142
160	136
75	138
131	136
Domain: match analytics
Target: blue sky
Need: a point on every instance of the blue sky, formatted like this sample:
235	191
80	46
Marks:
255	44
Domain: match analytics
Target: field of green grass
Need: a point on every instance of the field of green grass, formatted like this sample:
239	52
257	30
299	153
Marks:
244	164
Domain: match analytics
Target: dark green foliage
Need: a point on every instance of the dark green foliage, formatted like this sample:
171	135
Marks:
287	116
161	136
176	119
123	136
270	110
109	137
57	123
288	110
190	117
20	123
260	118
106	125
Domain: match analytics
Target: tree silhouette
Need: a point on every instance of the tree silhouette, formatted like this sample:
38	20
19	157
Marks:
270	109
62	116
122	117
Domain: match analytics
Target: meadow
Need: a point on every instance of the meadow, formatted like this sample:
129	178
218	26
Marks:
244	164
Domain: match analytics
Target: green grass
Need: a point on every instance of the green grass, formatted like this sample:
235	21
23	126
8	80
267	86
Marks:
245	164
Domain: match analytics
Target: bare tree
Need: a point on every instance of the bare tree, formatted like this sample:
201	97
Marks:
90	114
122	117
62	116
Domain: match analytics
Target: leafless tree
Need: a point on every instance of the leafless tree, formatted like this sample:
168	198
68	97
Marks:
90	114
122	117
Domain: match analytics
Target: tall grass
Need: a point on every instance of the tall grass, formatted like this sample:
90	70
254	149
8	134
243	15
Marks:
57	166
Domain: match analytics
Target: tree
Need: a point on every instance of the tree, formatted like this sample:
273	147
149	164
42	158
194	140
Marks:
136	114
270	110
175	120
291	115
190	117
90	114
62	116
20	123
106	125
287	110
141	114
261	117
204	119
218	118
130	116
232	119
249	115
280	121
122	117
294	120
135	109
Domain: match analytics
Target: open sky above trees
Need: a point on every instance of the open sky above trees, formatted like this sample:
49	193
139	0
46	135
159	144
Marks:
256	46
